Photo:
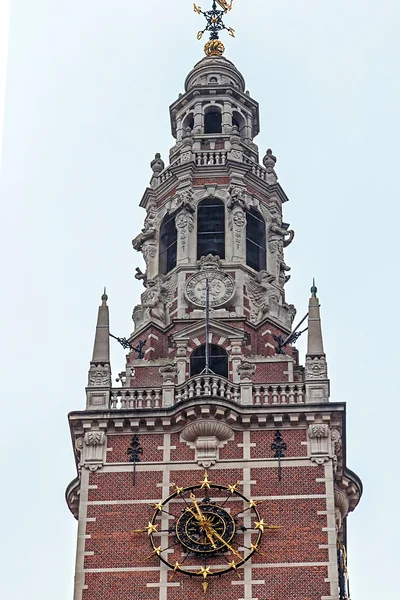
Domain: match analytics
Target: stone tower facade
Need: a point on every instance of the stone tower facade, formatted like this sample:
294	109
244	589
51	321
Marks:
216	467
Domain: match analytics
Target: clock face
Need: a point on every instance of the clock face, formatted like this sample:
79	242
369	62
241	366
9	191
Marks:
221	286
192	531
205	530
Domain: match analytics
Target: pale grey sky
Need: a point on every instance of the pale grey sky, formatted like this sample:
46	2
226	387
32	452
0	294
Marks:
88	89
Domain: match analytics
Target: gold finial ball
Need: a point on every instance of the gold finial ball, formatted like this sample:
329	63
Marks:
214	48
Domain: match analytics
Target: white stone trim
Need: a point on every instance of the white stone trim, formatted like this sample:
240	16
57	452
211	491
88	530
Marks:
155	500
332	578
81	538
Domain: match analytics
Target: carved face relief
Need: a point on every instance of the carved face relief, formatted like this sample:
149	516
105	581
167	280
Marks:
239	218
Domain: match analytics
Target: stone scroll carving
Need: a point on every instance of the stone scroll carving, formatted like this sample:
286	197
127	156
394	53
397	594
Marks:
91	448
324	444
206	437
319	443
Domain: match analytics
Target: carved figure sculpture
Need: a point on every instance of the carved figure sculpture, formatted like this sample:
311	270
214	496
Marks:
237	198
278	231
145	242
140	276
261	292
160	292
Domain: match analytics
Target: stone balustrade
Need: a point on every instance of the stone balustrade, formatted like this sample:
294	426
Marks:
256	169
210	157
207	158
202	386
292	393
208	385
136	398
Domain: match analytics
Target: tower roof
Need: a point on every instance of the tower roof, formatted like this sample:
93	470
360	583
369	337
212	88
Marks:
220	66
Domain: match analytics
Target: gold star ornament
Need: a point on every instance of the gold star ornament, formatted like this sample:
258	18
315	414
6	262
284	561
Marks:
233	488
205	483
205	571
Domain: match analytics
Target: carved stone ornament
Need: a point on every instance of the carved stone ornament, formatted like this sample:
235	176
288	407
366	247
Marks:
237	224
99	376
185	224
93	450
221	287
336	440
316	368
261	292
319	442
169	372
246	370
342	505
158	296
206	437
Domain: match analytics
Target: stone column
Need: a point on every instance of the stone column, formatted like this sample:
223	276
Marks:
181	362
198	118
227	118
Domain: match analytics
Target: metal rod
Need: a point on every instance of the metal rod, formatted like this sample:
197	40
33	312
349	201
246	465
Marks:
295	329
207	367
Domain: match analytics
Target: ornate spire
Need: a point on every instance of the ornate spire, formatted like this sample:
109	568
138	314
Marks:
315	344
215	24
99	379
316	370
101	349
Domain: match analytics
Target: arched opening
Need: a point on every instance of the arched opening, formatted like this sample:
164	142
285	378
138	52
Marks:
188	122
256	249
213	120
218	360
211	228
168	244
240	122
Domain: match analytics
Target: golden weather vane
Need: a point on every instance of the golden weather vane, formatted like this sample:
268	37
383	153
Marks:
215	24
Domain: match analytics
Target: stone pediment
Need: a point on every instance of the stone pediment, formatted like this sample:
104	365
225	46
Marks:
218	328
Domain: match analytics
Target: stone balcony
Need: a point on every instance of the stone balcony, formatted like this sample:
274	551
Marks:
245	393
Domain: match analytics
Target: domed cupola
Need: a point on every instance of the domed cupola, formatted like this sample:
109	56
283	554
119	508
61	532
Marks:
215	111
213	71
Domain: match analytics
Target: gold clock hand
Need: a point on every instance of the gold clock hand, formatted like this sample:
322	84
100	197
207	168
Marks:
197	507
221	539
203	521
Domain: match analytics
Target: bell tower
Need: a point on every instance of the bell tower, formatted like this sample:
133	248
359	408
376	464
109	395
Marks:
217	466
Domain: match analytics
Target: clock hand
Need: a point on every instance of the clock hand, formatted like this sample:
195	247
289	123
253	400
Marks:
202	518
203	521
221	539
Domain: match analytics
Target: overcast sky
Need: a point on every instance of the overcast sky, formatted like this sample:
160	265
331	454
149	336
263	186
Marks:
88	88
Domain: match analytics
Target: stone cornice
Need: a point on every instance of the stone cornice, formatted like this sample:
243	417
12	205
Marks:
237	416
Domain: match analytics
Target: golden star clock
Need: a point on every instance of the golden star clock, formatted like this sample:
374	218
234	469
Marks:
205	530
